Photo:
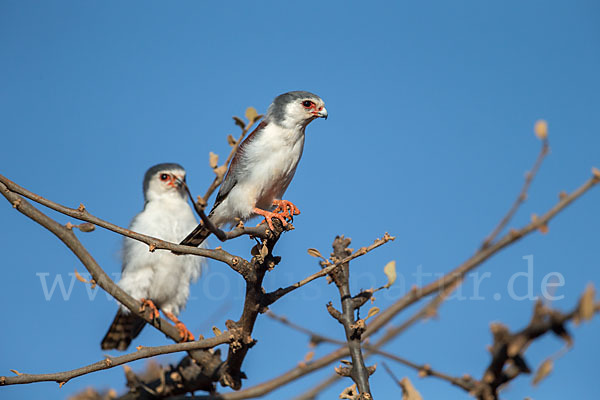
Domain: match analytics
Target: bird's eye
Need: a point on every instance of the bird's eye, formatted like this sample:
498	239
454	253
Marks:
308	103
164	177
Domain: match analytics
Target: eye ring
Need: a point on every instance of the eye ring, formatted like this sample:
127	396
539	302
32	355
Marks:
164	177
308	104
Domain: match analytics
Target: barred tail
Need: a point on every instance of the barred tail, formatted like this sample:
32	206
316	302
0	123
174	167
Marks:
198	235
124	328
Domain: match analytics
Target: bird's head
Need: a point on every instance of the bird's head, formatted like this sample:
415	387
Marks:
164	179
294	109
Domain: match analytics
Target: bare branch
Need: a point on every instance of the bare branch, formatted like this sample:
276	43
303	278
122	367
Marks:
314	391
352	327
111	362
477	259
221	171
262	262
260	231
522	194
318	338
67	236
412	297
508	359
154	243
276	294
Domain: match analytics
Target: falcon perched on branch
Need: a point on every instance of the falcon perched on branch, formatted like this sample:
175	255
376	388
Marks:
160	279
264	165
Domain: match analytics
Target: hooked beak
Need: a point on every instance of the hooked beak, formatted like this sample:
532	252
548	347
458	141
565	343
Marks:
322	113
178	181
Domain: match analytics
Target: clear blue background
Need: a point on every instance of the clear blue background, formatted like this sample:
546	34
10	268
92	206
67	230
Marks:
431	107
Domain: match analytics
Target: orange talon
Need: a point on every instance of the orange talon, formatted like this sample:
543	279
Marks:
286	207
268	215
151	306
184	333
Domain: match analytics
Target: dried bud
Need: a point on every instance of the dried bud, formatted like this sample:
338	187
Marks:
586	307
315	253
239	122
372	311
390	271
309	356
80	278
213	160
541	129
86	227
230	139
543	371
251	114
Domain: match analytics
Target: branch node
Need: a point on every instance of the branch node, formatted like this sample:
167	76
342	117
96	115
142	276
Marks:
425	371
334	313
86	227
359	328
343	371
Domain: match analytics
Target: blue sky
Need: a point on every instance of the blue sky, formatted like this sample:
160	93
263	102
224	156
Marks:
431	109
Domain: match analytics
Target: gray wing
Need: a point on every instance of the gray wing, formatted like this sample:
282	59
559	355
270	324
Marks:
198	235
231	179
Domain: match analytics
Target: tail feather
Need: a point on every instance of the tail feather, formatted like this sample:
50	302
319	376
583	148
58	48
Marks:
197	236
124	328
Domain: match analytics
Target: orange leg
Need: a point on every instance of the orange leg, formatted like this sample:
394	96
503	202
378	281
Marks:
184	332
151	306
268	215
286	207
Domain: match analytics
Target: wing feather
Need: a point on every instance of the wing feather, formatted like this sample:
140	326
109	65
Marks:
231	178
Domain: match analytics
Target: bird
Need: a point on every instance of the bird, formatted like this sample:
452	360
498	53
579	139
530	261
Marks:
159	279
263	166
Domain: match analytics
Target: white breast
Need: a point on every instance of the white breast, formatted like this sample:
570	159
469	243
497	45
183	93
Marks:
161	276
267	167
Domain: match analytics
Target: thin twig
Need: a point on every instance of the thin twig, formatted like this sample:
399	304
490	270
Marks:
260	231
154	243
477	259
391	374
276	294
111	362
315	390
380	320
220	171
317	337
508	359
205	220
100	277
522	195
